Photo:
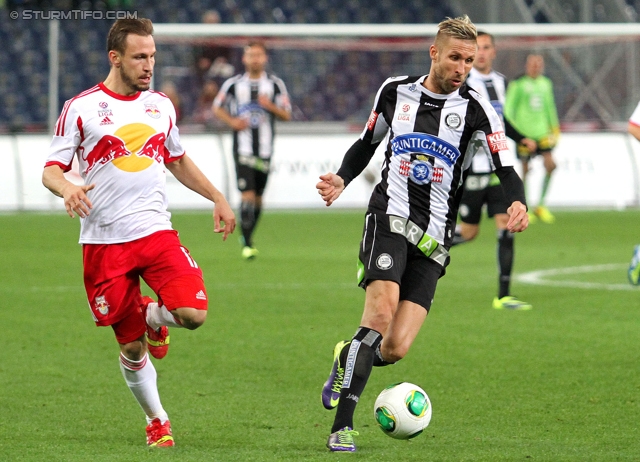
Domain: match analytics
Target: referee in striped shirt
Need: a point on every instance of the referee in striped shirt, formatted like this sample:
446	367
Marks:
250	103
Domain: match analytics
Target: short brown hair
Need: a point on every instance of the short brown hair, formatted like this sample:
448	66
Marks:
482	33
117	37
459	28
256	43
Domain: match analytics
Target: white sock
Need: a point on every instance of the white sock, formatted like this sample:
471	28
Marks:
158	316
141	379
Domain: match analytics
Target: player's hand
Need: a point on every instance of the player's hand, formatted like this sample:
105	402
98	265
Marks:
224	220
76	200
239	123
530	144
330	187
265	102
518	218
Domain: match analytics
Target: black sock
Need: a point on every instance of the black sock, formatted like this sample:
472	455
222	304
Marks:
248	221
358	367
378	360
505	261
256	213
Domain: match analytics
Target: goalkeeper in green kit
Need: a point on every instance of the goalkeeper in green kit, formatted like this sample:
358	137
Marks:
530	107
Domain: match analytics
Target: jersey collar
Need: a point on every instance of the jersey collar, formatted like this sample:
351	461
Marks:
117	95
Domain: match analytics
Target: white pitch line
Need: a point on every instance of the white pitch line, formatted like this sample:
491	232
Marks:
540	277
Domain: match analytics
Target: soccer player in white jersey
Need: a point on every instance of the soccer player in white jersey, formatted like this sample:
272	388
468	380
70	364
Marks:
482	186
634	267
250	103
124	137
428	123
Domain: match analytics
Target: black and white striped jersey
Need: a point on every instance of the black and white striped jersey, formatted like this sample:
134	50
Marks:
428	137
239	96
493	87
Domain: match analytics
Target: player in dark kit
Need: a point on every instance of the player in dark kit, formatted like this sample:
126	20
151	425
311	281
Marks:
250	103
481	185
429	123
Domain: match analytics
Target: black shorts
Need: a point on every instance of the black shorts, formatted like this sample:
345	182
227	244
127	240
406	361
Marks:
478	191
524	154
389	256
250	179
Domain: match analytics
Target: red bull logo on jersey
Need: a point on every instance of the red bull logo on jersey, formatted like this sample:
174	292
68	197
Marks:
422	143
107	149
152	111
132	148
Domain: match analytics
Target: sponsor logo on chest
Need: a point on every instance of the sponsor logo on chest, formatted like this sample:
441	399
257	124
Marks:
429	145
420	171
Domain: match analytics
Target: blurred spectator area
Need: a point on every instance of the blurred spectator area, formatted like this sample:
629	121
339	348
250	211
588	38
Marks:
318	93
326	84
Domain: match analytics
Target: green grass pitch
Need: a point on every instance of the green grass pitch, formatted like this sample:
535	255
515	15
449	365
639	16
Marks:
558	383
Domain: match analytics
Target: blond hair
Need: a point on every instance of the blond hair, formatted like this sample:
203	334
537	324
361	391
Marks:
458	28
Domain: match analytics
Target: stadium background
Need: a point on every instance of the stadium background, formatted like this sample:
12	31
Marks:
557	383
326	85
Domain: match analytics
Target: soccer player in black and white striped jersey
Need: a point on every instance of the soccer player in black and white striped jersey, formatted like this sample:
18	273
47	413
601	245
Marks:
250	103
481	185
428	123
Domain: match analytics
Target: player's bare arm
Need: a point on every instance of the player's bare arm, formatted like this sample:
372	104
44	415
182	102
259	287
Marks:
330	187
75	197
236	123
354	162
266	103
188	173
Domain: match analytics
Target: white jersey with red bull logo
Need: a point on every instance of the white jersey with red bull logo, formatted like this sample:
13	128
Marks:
122	144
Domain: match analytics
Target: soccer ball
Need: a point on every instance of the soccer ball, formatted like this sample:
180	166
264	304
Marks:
402	410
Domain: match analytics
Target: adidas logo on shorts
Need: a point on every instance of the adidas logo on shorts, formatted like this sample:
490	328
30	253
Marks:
201	295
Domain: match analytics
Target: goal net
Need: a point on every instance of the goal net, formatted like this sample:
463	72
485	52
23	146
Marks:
333	71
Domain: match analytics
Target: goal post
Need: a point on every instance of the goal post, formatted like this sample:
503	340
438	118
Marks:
333	70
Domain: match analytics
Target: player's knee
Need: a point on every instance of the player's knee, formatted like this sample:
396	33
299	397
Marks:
549	163
469	234
392	353
133	350
190	318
